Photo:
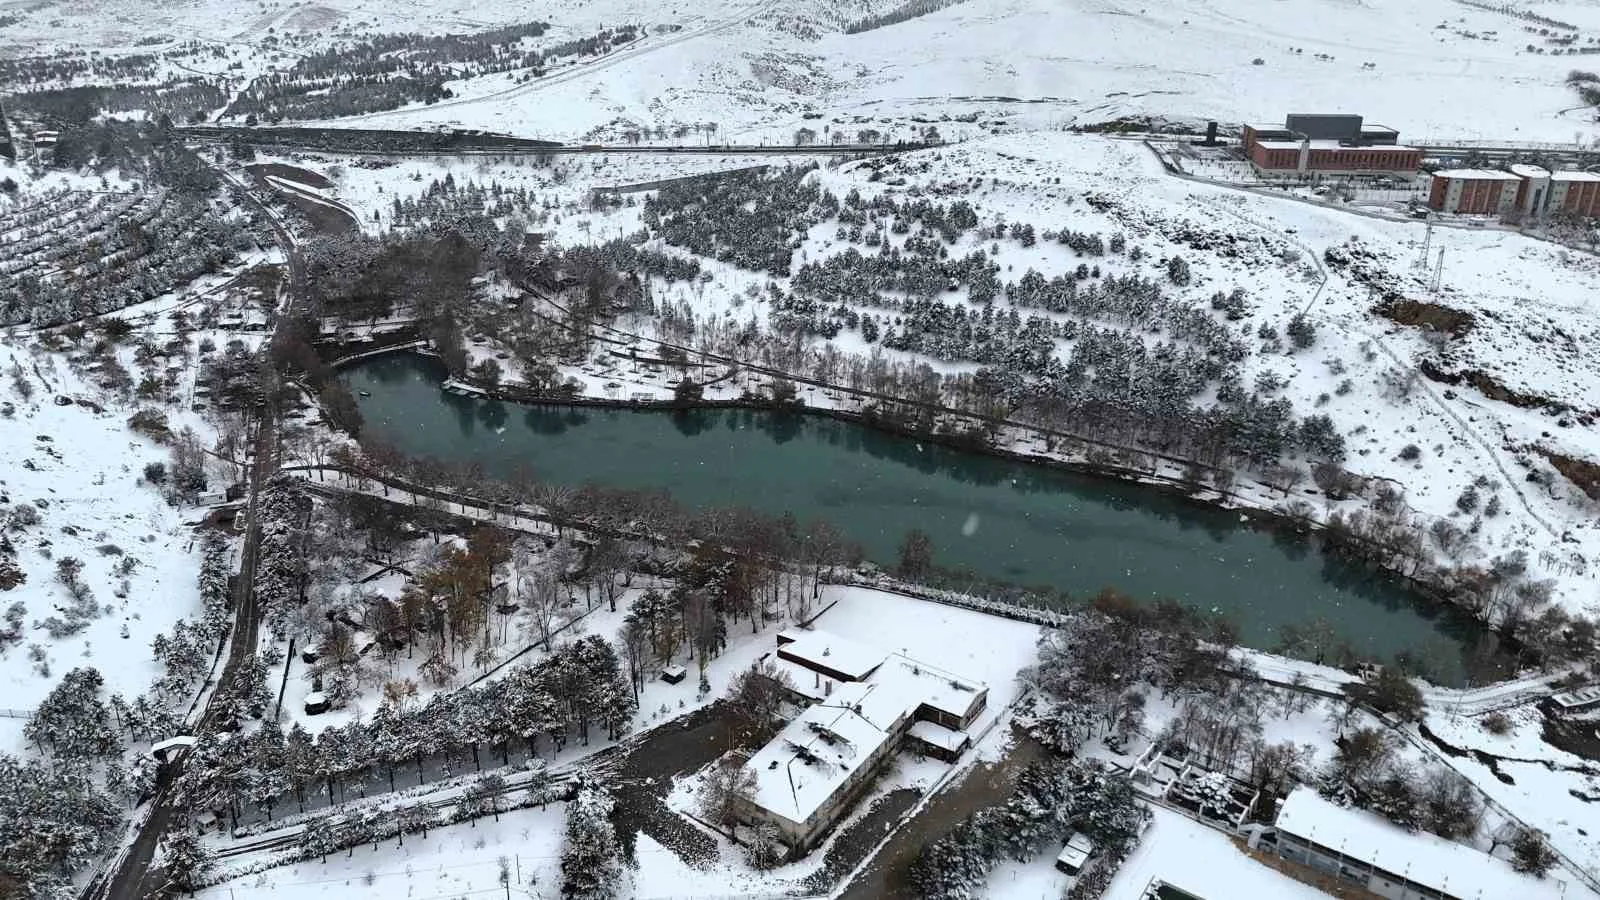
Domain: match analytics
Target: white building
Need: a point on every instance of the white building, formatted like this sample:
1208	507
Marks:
1366	850
864	705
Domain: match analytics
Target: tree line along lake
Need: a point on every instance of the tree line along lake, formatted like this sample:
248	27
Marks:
1001	519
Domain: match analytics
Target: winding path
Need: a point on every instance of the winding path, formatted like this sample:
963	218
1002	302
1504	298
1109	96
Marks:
576	72
1457	423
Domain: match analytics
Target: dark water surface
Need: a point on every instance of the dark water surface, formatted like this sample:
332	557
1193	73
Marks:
1002	519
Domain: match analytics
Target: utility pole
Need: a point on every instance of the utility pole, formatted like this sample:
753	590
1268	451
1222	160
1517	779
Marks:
1438	271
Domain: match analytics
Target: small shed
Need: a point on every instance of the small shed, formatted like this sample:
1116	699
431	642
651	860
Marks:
1076	854
674	674
316	703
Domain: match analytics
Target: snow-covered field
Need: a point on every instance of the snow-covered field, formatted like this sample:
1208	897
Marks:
82	471
756	67
461	861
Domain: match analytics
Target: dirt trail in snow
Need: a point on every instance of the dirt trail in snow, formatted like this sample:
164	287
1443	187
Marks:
1458	425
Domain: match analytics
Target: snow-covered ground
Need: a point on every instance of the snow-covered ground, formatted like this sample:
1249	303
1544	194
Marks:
756	67
1176	850
82	470
460	861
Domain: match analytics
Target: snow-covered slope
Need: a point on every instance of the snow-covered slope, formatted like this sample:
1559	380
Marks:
1433	68
81	470
1022	62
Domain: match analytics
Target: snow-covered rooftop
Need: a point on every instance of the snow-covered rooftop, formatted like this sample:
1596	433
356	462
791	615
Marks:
1475	175
922	684
183	740
817	753
1425	859
1524	170
819	649
1583	696
1574	176
1076	852
938	735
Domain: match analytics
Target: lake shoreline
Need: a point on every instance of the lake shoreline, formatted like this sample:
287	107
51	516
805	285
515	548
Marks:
1428	601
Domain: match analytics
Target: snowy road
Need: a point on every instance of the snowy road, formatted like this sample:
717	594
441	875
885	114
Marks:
577	72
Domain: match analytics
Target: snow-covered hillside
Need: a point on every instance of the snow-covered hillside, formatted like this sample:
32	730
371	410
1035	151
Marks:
758	68
75	489
1020	64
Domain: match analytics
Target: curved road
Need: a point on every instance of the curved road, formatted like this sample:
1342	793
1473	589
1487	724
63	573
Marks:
576	72
128	875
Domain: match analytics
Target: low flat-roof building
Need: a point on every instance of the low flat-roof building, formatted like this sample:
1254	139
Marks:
1580	700
864	705
1365	850
1321	144
828	654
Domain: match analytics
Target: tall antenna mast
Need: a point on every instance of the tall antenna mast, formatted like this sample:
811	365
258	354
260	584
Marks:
1438	271
1427	244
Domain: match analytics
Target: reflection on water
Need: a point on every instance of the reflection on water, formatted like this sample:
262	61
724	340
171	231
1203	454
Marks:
998	518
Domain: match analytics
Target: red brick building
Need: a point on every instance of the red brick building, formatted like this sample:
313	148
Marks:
1527	190
1328	144
1577	193
1473	192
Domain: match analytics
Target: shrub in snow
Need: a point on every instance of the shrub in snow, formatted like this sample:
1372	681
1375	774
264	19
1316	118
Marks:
10	574
1269	382
1302	333
1233	304
1450	805
23	515
1411	453
1530	853
763	849
1178	271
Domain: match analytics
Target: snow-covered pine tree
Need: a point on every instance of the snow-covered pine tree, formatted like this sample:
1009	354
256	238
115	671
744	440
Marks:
591	867
184	860
72	721
52	823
